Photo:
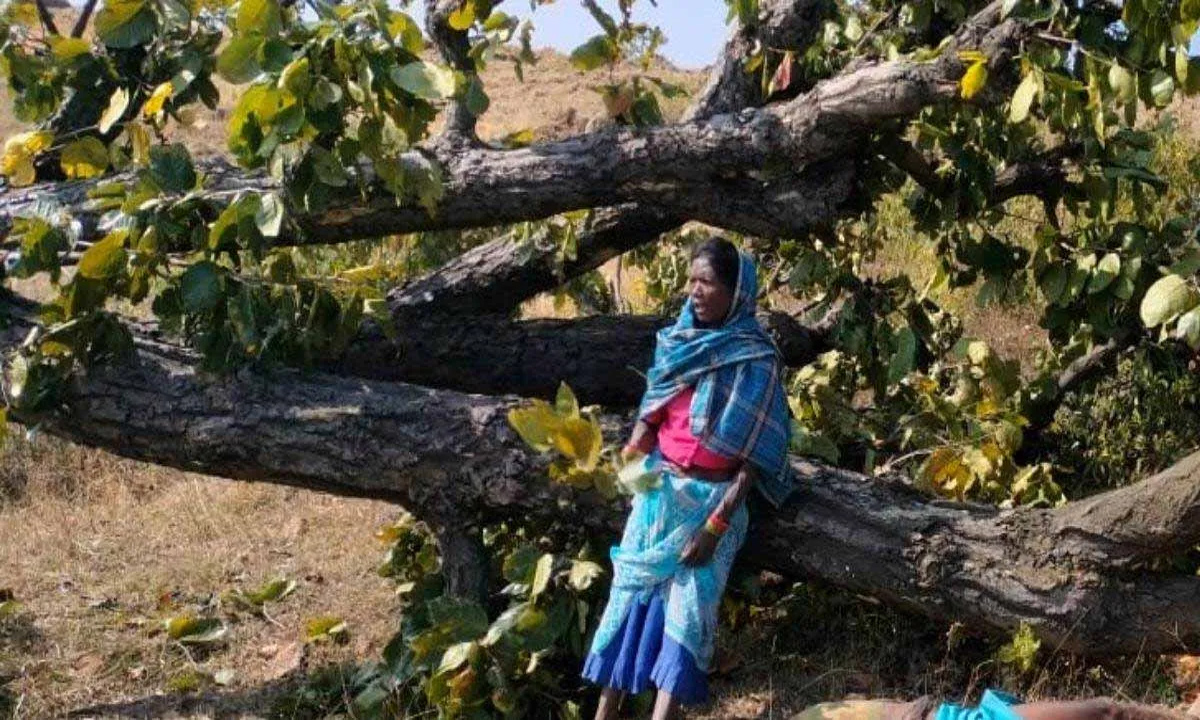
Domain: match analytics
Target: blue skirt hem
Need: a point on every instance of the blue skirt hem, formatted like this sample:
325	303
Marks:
642	655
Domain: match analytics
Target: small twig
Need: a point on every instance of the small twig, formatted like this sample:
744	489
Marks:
81	23
46	18
267	616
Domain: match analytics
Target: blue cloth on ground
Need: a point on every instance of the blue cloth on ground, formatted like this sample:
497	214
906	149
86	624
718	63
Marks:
995	705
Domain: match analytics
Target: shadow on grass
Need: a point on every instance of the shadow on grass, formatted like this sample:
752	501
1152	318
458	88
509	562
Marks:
299	695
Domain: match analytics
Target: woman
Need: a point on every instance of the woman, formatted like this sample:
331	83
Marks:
716	410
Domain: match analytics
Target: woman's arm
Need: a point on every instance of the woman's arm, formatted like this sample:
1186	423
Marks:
699	550
736	493
641	440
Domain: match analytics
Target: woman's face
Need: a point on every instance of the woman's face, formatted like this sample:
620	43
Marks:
710	297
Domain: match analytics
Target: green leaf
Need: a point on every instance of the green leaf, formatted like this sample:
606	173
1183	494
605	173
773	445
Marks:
905	358
273	591
541	575
1187	265
535	423
171	168
328	168
238	62
1023	98
1162	88
565	403
455	656
519	564
405	30
1188	328
175	14
269	217
262	17
424	80
200	287
106	258
296	77
1122	83
125	23
192	630
1166	299
117	105
84	158
1053	283
813	444
583	574
1106	271
596	52
325	627
1022	650
475	98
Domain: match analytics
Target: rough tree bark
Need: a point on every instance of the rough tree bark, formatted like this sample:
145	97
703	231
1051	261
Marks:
451	458
601	357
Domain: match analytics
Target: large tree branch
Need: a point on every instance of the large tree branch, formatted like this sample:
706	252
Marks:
601	357
665	165
451	457
497	276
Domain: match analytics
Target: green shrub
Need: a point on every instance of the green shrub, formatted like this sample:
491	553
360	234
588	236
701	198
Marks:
1129	423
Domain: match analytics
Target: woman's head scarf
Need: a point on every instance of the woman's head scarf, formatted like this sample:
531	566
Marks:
739	409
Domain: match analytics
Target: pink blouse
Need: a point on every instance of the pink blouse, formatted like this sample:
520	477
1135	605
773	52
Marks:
676	441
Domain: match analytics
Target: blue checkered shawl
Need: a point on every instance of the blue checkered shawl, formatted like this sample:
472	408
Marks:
739	409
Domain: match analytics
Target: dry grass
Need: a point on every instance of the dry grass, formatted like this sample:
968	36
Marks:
100	550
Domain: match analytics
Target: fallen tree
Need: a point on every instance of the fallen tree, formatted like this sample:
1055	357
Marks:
1072	573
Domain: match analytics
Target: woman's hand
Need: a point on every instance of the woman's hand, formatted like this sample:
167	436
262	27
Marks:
641	441
699	550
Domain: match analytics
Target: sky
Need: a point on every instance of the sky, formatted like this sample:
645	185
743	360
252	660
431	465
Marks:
695	29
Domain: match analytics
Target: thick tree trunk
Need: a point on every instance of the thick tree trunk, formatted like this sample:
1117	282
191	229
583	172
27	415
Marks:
452	458
600	357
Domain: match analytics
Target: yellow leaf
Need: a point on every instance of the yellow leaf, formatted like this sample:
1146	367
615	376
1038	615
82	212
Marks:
362	274
971	56
67	48
139	142
519	138
945	472
84	158
535	423
464	17
117	104
158	98
579	439
19	151
974	79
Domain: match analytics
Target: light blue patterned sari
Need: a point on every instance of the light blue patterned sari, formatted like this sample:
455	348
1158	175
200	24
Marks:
660	524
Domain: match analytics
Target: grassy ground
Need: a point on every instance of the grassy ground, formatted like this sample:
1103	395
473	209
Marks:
97	552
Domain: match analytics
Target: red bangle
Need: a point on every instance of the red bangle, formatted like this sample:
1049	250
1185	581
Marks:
716	525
